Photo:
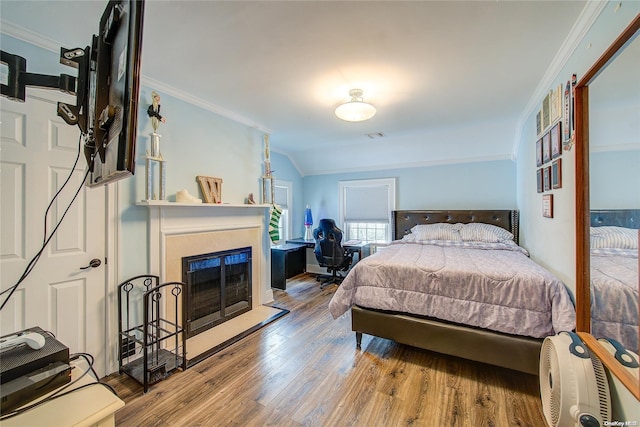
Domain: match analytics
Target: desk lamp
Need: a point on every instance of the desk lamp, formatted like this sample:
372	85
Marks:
308	222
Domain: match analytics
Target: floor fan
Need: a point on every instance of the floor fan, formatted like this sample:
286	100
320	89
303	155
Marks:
573	384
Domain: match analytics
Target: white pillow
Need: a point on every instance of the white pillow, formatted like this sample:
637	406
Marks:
609	236
409	237
439	231
481	232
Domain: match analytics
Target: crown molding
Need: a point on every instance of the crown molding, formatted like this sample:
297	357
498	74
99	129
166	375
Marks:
430	163
46	43
583	24
199	102
291	159
29	36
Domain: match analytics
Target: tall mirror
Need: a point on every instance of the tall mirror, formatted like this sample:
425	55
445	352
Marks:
608	203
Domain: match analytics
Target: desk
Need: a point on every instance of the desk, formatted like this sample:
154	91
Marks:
92	406
287	260
363	249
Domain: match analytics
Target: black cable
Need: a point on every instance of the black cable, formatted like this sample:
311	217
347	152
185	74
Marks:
35	259
51	398
46	214
55	196
61	391
90	360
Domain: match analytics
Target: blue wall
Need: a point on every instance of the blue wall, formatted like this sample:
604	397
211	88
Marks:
195	141
551	241
284	169
619	170
481	185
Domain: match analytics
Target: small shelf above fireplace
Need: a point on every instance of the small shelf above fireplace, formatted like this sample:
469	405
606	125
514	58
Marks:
164	203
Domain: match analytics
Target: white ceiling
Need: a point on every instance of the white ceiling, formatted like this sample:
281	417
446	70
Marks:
444	75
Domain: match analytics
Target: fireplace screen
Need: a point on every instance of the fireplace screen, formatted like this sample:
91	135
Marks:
218	288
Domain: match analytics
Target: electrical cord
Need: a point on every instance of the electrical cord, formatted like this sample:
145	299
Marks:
46	239
61	391
55	196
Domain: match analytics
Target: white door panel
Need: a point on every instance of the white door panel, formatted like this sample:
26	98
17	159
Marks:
38	151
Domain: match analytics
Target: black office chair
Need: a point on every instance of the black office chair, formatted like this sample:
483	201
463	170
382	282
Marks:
330	253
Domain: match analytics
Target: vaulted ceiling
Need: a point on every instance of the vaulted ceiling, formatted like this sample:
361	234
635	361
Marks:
452	81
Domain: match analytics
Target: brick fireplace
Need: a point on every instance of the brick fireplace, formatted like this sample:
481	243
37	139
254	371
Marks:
180	231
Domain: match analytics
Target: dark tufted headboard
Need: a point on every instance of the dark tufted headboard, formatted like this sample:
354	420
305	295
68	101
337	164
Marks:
403	221
629	218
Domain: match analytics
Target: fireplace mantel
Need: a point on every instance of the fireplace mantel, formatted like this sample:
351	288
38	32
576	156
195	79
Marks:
165	203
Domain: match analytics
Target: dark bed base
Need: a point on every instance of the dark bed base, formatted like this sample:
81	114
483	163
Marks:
509	351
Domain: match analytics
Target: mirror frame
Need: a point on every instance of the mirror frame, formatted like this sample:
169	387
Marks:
583	221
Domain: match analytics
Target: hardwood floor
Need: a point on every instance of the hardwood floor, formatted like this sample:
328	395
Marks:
304	370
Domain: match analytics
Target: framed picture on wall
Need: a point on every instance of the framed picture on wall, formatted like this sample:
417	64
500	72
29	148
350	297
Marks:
554	105
547	205
556	141
546	178
556	174
539	152
539	181
567	112
546	147
546	111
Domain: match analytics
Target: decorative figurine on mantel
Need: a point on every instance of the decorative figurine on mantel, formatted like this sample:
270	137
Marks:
267	178
154	155
154	113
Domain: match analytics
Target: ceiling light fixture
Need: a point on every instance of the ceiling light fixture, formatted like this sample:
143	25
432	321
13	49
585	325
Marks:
355	110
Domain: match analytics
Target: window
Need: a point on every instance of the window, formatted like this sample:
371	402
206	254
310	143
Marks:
282	197
367	231
365	209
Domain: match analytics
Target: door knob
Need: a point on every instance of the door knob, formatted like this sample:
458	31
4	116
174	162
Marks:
92	264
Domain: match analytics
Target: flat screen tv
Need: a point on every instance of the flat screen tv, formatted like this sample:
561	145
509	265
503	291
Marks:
114	88
107	90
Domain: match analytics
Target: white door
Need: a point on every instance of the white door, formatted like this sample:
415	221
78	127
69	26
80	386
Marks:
38	152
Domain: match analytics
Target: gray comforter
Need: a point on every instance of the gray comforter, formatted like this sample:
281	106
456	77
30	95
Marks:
614	296
493	286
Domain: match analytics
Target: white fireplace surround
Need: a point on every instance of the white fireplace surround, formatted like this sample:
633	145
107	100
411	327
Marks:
168	221
178	230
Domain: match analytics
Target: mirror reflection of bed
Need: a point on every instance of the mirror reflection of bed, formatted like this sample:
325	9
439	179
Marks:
614	187
614	275
607	147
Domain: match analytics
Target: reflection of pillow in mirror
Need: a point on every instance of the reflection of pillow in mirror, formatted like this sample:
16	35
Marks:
480	232
440	231
613	237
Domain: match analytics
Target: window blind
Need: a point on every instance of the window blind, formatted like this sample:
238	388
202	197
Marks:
367	203
280	197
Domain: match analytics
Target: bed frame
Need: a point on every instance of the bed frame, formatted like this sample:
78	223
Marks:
629	218
495	348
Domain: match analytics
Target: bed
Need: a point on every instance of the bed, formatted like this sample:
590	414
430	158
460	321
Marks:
385	301
614	275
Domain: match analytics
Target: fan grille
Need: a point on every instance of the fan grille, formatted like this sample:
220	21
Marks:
550	387
603	388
